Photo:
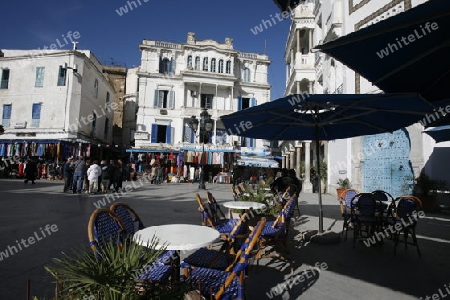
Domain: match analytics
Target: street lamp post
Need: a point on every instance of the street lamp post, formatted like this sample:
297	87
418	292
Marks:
206	125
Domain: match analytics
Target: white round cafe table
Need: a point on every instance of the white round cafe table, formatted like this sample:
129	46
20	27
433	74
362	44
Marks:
243	205
181	237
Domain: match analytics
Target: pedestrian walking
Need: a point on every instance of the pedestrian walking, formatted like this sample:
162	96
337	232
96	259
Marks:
106	175
68	174
80	169
93	173
30	171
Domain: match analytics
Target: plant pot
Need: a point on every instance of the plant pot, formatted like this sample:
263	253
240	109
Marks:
340	193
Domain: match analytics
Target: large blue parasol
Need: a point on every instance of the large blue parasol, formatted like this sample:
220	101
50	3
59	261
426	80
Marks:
327	117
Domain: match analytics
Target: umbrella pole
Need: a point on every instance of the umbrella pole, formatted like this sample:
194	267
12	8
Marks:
319	189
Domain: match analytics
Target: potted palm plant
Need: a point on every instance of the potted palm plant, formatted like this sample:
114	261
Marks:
343	184
111	274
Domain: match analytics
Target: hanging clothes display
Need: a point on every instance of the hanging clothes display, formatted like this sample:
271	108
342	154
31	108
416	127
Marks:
16	149
40	150
2	149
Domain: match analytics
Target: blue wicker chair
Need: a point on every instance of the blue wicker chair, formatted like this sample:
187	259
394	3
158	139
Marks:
345	203
214	208
224	226
406	207
105	225
366	217
216	259
275	233
130	219
228	284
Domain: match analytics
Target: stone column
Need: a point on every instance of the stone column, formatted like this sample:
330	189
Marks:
287	164
298	151
292	160
283	162
307	185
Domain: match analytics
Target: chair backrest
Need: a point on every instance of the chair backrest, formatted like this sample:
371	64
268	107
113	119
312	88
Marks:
381	195
285	215
128	216
406	205
241	261
103	226
365	204
207	220
234	193
214	207
241	188
349	194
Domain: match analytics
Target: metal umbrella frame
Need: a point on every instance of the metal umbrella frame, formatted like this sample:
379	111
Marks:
327	117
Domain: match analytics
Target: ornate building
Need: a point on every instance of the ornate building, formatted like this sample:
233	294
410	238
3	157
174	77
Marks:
177	81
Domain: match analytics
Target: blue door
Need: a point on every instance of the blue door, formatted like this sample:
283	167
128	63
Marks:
386	163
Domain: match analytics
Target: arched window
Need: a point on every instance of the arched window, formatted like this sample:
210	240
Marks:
96	88
205	64
221	66
228	67
189	62
246	75
197	63
213	65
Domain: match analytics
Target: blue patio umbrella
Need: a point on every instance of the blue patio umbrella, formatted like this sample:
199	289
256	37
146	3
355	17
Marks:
408	52
327	117
439	134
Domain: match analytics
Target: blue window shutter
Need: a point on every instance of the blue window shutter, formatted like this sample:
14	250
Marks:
36	112
171	100
168	134
160	65
252	142
239	102
172	65
154	133
156	99
7	111
252	102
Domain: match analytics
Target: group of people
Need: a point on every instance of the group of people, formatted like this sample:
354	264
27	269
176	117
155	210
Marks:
93	177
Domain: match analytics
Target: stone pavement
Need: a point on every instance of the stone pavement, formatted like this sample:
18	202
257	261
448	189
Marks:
345	273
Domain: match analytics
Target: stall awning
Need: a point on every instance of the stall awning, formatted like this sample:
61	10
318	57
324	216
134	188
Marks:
151	150
206	149
250	161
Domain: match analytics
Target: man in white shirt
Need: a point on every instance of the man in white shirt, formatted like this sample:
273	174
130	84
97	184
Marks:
93	172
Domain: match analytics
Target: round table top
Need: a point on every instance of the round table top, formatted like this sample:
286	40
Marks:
178	236
244	205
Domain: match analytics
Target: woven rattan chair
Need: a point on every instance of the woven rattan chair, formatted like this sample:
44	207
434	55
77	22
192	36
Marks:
366	218
406	214
132	222
214	207
224	226
217	259
104	225
228	284
275	234
345	204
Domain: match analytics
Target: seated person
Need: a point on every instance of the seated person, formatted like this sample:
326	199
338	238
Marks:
282	183
298	183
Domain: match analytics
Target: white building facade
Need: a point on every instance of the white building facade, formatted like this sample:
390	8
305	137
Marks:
384	161
54	97
178	81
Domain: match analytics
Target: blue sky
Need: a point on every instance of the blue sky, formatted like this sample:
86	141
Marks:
35	24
